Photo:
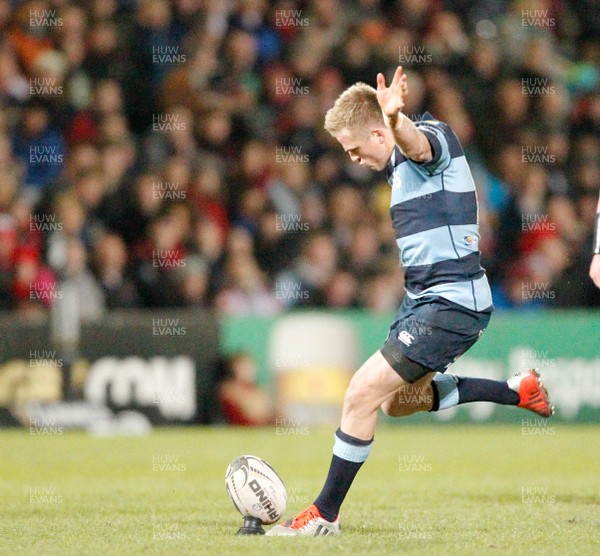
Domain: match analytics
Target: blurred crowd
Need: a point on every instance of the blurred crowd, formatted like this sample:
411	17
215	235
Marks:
158	153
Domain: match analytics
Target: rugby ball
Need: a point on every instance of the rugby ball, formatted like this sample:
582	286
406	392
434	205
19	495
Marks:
256	489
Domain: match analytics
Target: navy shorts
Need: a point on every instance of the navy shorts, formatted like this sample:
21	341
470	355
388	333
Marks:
432	332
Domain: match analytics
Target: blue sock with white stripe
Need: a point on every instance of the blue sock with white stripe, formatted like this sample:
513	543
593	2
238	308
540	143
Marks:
349	453
445	391
450	390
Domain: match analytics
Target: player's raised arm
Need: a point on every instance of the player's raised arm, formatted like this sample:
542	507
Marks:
411	141
595	266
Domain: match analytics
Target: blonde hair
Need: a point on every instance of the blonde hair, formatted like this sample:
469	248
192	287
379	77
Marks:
355	108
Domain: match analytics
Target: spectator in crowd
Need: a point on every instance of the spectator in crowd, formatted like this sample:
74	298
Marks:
77	284
245	289
157	261
194	282
244	402
306	282
8	244
39	146
69	214
34	286
110	264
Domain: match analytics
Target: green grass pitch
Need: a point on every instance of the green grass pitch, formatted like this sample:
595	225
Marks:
425	490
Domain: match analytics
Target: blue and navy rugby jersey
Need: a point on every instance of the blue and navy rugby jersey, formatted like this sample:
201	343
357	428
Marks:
435	216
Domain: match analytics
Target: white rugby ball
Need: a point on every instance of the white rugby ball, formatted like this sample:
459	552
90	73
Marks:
256	489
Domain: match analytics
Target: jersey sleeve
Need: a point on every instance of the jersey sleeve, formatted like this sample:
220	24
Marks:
440	148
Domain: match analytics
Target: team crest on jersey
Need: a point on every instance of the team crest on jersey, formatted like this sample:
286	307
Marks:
470	240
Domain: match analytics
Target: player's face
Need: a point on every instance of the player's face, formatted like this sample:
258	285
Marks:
367	149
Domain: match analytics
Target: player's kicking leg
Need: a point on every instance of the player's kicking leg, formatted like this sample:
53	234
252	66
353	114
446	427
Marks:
370	386
524	389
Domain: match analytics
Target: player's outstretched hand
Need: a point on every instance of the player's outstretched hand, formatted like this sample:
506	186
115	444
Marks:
595	270
391	99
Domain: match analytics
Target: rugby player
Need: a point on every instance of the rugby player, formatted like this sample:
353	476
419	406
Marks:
595	266
447	304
